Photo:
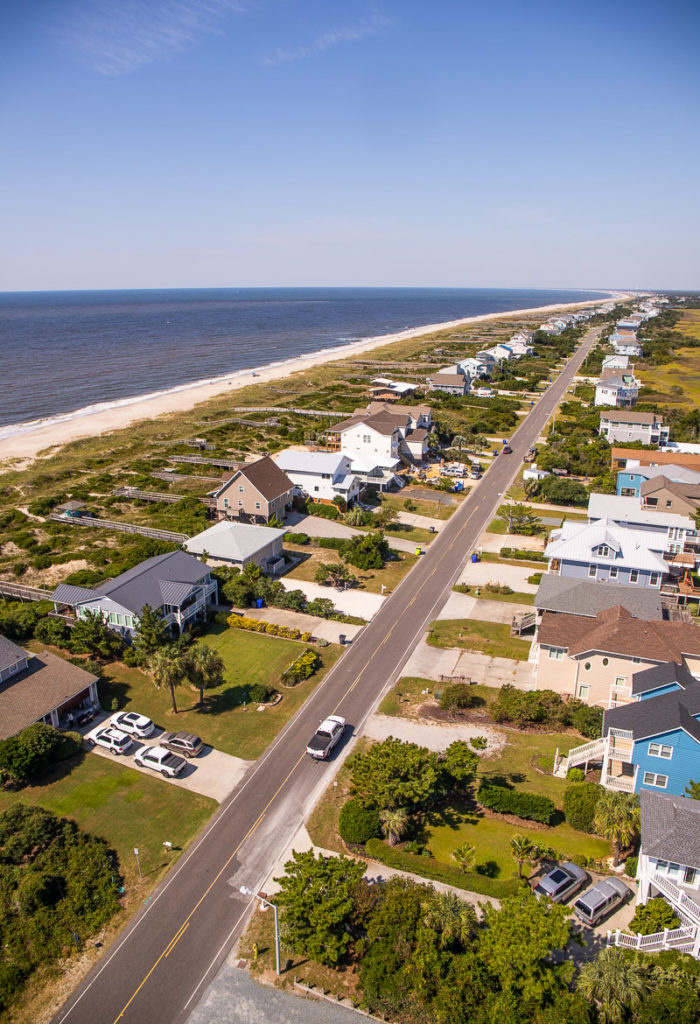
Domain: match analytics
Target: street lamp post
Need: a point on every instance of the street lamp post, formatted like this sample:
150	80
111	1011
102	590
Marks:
266	903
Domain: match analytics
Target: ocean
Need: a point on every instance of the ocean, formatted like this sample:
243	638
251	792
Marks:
62	353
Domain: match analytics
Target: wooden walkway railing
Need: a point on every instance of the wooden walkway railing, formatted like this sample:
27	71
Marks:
168	499
108	524
23	593
199	460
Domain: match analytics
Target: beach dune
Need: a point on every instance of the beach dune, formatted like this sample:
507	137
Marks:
32	438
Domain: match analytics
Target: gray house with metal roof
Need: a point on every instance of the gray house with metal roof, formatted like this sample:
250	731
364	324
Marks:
176	584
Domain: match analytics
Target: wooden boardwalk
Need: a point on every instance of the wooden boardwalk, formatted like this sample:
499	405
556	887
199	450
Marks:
108	524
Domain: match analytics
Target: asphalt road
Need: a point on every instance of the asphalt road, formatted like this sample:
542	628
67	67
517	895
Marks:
161	963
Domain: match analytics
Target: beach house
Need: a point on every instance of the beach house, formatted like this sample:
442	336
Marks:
604	551
240	544
616	362
676	496
615	387
628	426
40	688
626	344
570	596
595	660
662	531
257	492
448	383
321	476
630	481
175	584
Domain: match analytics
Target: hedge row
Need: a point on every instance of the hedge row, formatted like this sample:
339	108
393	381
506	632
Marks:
270	628
296	538
428	867
330	542
302	667
530	806
520	554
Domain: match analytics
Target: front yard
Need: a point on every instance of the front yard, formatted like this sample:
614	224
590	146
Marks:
226	722
492	638
369	579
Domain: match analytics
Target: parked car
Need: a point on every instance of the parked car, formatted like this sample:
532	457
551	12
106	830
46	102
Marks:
115	740
185	743
595	904
507	450
531	455
328	734
85	715
133	724
561	882
160	760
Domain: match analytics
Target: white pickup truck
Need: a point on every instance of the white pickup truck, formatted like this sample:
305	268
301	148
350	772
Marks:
329	732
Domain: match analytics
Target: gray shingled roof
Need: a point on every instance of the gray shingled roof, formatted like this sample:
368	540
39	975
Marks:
671	828
662	675
10	653
656	715
583	597
173	574
46	684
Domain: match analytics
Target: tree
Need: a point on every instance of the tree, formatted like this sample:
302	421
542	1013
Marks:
693	790
151	633
522	851
316	898
521	519
465	855
394	824
617	819
30	752
460	442
456	697
677	1003
52	631
454	919
518	941
460	764
90	635
614	983
204	668
358	516
395	773
390	942
580	803
357	824
387	514
168	669
653	916
334	574
366	551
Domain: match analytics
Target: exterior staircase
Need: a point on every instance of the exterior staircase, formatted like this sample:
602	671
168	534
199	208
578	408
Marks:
593	751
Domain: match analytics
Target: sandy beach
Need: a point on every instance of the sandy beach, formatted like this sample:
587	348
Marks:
20	448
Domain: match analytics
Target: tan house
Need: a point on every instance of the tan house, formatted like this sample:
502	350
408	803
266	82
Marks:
621	457
595	661
255	493
671	496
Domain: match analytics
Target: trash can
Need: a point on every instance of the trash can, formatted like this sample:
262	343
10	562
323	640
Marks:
475	557
258	602
341	638
419	551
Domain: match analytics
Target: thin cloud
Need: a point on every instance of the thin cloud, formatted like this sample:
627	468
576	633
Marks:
375	23
114	38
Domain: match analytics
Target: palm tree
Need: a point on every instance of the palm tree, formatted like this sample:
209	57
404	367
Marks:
204	668
167	666
616	984
617	819
523	851
465	855
459	442
394	824
452	917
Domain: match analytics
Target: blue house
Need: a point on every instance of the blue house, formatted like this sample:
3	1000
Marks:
651	743
630	480
604	551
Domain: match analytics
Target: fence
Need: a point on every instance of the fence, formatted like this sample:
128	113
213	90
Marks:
108	524
22	593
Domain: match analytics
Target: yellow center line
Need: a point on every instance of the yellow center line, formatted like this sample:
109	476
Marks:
180	932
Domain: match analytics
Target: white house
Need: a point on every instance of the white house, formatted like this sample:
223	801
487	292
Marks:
322	476
604	551
616	362
626	344
231	543
475	366
501	353
626	426
616	388
661	531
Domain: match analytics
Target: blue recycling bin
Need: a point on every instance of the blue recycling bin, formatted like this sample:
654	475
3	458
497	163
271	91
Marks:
475	557
258	602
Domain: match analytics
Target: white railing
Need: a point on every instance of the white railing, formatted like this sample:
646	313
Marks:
622	783
622	734
670	938
686	907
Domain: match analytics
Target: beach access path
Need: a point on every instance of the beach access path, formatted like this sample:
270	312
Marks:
161	964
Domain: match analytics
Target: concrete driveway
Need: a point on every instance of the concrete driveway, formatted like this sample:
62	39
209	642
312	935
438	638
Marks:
462	606
479	573
349	602
326	629
432	662
212	774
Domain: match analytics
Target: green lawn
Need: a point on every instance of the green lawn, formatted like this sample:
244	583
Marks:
416	534
423	506
369	579
488	595
492	638
225	723
123	806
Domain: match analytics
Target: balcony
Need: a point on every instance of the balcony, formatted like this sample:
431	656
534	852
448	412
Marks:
620	783
687	908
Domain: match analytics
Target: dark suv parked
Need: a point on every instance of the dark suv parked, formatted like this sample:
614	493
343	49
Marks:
184	743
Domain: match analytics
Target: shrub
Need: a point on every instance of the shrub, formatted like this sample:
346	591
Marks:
524	707
455	697
631	867
654	916
258	693
69	744
301	668
30	752
580	802
587	720
84	578
315	508
296	538
357	824
479	742
530	806
575	775
330	542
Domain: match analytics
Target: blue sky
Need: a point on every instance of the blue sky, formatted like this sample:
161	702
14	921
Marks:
175	143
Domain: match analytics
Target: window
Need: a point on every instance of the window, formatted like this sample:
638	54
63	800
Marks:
120	620
592	570
689	876
225	502
613	572
556	653
652	502
129	621
366	439
654	579
583	691
628	492
652	779
257	504
661	865
603	550
660	750
606	662
587	666
620	681
636	661
315	488
240	502
634	576
668	504
113	618
241	488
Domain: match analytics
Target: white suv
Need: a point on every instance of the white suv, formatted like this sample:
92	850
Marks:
160	760
111	739
133	724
